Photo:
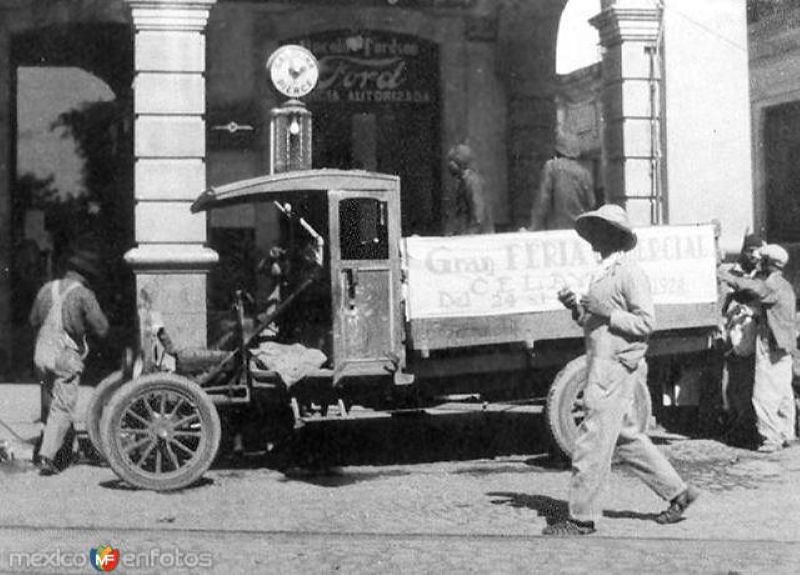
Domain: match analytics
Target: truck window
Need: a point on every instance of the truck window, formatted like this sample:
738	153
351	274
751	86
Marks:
363	230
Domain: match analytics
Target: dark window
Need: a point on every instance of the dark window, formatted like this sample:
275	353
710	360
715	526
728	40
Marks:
782	162
363	233
236	268
380	112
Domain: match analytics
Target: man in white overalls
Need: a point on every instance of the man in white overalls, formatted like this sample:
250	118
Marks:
64	312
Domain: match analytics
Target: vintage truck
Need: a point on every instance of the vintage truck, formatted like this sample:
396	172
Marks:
393	324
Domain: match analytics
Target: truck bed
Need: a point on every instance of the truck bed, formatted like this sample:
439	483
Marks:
481	290
528	328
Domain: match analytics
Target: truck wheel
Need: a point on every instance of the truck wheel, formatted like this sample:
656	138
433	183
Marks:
97	402
564	411
161	432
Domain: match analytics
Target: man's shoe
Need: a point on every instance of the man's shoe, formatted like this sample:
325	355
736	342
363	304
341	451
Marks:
47	467
769	447
679	504
569	527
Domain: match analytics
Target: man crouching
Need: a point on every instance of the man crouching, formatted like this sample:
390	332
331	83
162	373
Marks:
617	316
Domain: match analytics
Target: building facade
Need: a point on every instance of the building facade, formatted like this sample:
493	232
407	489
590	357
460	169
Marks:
402	81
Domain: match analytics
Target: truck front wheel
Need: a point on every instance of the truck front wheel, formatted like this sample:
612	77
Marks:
160	432
565	411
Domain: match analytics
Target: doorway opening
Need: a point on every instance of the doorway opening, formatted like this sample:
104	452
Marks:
782	163
376	108
72	181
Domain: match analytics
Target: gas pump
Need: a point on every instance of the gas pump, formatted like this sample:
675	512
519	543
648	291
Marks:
294	72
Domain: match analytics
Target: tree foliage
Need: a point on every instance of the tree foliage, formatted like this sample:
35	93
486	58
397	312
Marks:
101	131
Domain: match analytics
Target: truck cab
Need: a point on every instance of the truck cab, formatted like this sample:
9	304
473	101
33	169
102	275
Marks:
352	310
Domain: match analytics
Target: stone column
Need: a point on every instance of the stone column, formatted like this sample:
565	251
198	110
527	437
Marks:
629	33
170	260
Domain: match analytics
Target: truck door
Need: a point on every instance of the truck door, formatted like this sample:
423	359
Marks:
365	278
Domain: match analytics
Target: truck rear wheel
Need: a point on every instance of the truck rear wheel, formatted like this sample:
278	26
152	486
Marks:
564	411
160	432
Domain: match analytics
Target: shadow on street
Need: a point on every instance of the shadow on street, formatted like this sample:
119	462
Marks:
417	438
550	508
554	510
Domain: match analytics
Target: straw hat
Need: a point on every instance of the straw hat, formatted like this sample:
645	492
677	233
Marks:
775	254
85	262
607	220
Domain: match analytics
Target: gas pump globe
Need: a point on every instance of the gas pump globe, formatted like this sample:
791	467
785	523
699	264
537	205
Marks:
294	72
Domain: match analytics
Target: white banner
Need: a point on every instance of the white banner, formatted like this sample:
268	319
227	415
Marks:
522	272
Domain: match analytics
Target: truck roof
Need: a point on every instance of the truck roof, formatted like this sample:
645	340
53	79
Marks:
265	187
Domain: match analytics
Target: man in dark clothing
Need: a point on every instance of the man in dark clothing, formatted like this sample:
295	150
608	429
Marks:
566	189
741	313
64	312
471	211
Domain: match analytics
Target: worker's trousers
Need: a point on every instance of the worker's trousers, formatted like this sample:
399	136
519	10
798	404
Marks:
62	387
739	391
773	397
610	423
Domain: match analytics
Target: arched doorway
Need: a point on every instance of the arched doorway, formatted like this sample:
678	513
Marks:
72	182
578	44
579	81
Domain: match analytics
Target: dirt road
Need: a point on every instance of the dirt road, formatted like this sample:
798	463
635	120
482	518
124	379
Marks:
386	497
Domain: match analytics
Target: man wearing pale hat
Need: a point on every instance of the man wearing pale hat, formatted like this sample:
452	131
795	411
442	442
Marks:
64	312
617	316
773	397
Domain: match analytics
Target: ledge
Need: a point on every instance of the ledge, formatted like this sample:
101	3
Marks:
171	258
179	15
617	25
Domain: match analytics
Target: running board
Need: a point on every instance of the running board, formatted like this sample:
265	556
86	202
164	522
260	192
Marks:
451	408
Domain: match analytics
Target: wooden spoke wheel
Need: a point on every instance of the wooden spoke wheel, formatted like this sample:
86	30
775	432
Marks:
565	409
160	432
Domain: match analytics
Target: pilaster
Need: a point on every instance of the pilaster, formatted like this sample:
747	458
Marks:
170	260
629	32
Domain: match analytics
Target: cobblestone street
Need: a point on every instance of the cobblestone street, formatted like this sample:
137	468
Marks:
359	512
